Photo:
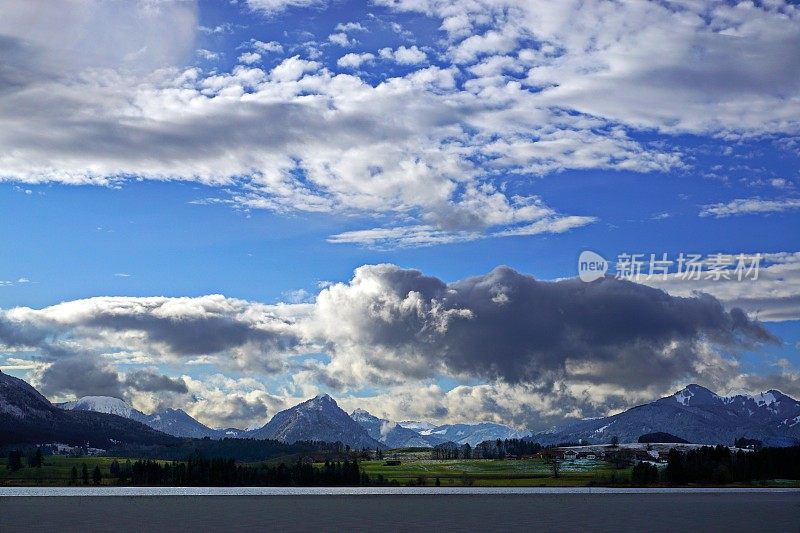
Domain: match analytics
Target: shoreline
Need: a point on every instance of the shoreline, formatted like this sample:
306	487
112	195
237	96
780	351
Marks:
14	492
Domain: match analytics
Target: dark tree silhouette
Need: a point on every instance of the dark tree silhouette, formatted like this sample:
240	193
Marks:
14	460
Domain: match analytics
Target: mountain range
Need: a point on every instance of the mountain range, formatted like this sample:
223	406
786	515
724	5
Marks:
391	434
694	413
174	422
27	416
319	418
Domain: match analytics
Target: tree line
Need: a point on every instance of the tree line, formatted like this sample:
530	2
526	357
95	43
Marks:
33	457
718	465
246	450
489	449
219	472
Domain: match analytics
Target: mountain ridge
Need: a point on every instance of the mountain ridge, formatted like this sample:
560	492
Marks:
696	414
175	422
28	417
318	419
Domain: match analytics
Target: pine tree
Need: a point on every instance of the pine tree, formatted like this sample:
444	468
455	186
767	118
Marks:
73	476
96	475
85	474
14	460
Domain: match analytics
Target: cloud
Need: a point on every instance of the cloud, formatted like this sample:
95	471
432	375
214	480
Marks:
548	225
566	348
518	90
250	58
340	39
422	235
404	56
352	60
84	375
478	214
389	322
80	376
70	36
273	47
712	67
350	26
224	402
421	149
242	334
151	381
273	7
749	206
208	55
773	297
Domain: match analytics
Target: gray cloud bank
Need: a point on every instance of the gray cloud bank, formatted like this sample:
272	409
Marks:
511	327
389	325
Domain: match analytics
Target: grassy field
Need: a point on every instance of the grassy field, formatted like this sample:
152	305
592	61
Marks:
414	469
488	472
56	471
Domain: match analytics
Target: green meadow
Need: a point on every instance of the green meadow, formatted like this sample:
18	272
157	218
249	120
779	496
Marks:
495	472
412	471
56	470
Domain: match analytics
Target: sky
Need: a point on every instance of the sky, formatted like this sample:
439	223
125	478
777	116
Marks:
228	207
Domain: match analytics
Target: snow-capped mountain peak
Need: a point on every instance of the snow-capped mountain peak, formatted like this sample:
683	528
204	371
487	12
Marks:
694	395
416	425
697	415
104	404
175	422
360	415
323	398
320	419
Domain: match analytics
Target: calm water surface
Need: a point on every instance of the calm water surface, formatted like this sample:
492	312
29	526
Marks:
398	509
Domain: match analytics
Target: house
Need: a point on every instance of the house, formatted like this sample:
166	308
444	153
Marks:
569	455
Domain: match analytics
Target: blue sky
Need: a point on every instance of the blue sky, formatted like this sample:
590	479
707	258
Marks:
265	150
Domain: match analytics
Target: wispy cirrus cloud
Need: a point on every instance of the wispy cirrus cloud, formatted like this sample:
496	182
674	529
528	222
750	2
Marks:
749	206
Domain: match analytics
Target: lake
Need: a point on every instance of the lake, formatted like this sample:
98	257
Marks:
398	509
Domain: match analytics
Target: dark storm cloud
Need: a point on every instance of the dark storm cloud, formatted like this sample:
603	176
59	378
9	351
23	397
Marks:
390	324
81	376
88	376
150	381
177	327
509	326
521	326
207	334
